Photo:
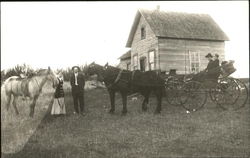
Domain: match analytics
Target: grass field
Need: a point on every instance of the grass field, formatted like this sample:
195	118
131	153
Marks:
210	132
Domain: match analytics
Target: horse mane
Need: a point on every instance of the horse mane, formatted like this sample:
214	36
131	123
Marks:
41	72
116	68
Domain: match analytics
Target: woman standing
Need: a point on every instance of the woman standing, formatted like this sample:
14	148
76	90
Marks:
58	107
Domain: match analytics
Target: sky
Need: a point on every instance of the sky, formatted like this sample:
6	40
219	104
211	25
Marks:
64	34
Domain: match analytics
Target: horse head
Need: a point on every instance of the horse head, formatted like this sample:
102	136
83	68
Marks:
52	77
97	69
106	65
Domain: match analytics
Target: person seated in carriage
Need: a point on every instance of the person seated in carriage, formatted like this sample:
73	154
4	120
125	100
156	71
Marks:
212	71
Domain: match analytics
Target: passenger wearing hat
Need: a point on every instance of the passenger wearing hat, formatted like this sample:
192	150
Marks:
77	82
212	70
209	72
216	60
210	64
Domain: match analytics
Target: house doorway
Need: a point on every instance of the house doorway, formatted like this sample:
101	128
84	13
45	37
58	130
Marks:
143	64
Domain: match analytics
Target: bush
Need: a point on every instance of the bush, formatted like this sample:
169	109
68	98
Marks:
27	71
24	69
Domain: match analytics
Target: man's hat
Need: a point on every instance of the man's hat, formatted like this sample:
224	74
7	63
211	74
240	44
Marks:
76	67
208	55
217	55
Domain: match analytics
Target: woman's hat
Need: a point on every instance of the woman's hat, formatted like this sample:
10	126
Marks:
76	67
208	55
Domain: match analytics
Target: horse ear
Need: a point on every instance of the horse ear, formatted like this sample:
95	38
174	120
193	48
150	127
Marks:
49	69
106	64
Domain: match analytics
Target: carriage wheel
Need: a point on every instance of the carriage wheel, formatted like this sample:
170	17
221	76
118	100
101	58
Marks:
174	89
196	96
243	94
212	89
226	93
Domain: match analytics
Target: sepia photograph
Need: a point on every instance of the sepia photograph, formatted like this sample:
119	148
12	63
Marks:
125	79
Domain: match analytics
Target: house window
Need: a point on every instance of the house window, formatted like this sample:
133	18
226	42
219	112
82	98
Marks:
143	33
194	58
151	60
135	62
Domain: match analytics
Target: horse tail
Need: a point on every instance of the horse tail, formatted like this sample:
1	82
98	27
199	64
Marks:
4	91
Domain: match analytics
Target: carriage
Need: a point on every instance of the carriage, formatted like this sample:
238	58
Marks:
192	91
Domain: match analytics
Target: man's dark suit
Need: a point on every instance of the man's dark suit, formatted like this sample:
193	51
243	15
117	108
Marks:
78	91
213	70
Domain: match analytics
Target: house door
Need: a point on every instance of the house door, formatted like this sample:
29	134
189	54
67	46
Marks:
142	64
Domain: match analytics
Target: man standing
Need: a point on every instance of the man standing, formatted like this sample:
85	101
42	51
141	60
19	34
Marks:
77	82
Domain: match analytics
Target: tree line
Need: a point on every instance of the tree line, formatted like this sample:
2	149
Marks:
25	70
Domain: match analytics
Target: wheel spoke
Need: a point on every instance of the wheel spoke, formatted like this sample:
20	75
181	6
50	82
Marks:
196	96
230	94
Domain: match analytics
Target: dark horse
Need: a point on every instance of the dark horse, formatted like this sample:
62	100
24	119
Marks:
125	82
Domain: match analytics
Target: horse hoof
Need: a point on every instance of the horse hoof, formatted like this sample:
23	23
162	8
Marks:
144	110
124	112
111	111
157	112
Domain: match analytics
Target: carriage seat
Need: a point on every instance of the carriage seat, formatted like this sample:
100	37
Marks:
227	68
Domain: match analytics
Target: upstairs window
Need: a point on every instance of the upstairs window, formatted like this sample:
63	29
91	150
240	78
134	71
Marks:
143	33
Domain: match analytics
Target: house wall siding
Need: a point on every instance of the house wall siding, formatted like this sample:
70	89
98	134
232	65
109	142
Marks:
174	53
123	64
142	47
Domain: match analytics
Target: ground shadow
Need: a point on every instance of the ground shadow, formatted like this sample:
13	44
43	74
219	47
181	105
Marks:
33	150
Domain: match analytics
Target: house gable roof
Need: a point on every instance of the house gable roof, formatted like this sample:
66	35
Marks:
127	55
178	25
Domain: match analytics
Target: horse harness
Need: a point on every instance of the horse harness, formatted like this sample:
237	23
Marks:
118	78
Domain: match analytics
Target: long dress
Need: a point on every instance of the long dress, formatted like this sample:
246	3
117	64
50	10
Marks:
58	106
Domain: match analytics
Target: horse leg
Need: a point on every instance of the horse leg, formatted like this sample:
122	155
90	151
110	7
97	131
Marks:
112	100
8	101
145	102
14	104
32	106
124	102
159	99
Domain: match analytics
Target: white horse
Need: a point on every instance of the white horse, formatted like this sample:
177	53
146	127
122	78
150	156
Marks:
28	87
